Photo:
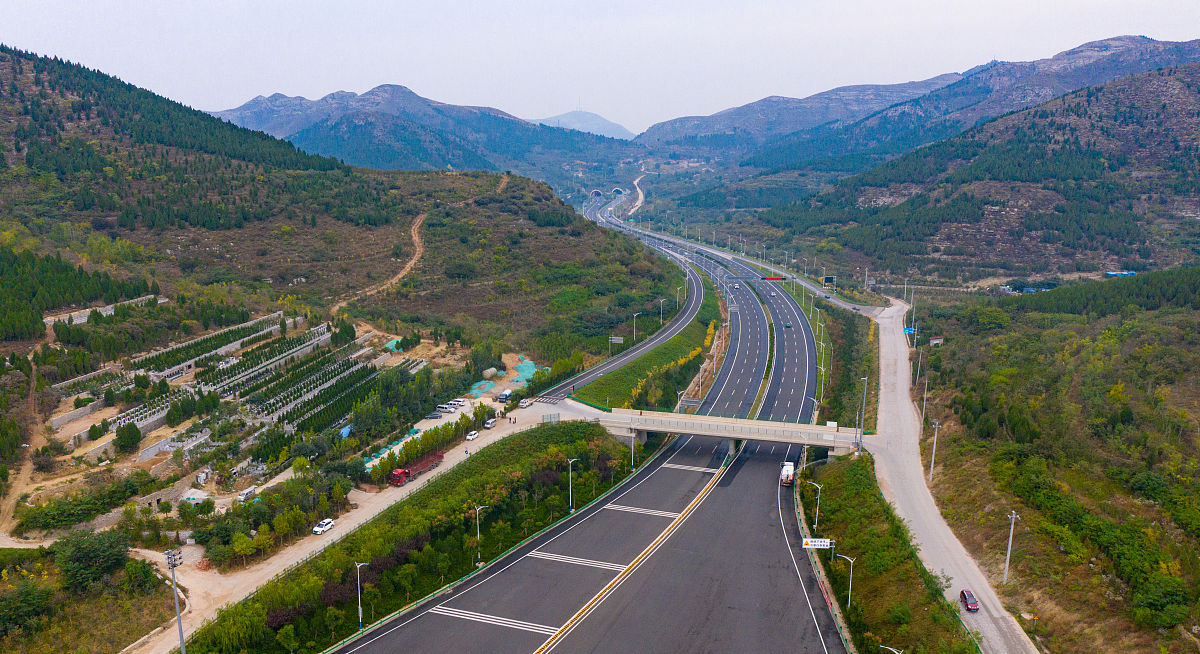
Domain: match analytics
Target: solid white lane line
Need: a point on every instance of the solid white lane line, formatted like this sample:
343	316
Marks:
636	509
796	566
494	620
576	560
679	466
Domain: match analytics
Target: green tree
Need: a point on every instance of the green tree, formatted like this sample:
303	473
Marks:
84	557
128	437
286	637
242	546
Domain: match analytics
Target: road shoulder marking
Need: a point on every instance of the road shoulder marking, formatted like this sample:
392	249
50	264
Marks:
493	619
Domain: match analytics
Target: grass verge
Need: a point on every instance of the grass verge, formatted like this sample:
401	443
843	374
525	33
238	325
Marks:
896	601
652	379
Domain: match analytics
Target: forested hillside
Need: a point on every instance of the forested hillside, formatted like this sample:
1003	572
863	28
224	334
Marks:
1107	177
1079	408
143	192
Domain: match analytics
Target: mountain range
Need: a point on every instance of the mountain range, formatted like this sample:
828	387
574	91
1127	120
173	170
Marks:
391	127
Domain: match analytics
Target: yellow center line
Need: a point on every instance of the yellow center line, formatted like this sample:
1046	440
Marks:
600	596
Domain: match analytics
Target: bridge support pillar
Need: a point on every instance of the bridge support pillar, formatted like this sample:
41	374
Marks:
640	436
731	446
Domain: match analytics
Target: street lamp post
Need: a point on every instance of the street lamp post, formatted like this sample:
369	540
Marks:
1012	523
660	313
358	574
635	325
862	415
571	485
817	515
678	301
478	538
892	649
933	452
850	586
174	558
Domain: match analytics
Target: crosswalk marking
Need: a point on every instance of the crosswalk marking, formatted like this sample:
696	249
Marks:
577	561
679	466
494	619
634	509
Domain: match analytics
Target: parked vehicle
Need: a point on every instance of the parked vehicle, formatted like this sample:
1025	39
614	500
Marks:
447	408
401	476
504	397
433	416
787	473
458	402
245	495
968	599
525	403
472	435
489	423
323	526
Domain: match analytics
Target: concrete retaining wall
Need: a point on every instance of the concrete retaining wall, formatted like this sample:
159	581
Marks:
75	414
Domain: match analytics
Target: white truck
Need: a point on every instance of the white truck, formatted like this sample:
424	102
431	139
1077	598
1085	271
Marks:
787	473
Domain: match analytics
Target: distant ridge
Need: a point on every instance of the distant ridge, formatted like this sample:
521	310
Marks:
586	121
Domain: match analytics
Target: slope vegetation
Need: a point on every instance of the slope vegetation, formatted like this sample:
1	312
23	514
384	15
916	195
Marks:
1105	177
1078	408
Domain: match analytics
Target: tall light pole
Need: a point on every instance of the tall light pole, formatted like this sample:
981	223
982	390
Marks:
817	515
478	538
570	485
660	314
1012	523
805	259
635	325
850	586
933	452
678	301
862	415
174	559
358	573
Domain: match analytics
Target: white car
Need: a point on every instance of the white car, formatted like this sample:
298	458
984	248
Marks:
525	403
323	526
472	435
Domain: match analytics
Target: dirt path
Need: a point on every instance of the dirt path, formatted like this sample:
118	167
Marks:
418	251
36	439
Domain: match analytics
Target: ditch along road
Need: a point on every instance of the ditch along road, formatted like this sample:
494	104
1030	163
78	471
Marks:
901	477
547	593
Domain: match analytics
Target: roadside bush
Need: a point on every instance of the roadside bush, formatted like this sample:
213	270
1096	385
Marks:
24	604
84	558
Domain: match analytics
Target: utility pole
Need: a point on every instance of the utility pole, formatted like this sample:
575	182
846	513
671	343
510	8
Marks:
660	313
570	484
933	451
357	573
174	559
635	325
478	538
920	353
924	396
1012	518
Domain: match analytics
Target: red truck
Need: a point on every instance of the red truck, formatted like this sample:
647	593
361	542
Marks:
401	476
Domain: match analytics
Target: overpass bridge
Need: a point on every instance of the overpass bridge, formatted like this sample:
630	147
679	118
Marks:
624	422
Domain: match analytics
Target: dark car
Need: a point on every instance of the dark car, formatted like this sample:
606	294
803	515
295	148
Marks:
433	416
968	599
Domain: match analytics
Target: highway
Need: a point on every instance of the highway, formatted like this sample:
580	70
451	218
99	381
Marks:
899	471
733	577
583	569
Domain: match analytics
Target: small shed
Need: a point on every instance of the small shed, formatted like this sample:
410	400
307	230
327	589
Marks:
935	341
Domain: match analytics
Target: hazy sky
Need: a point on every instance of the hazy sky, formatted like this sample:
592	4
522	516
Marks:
633	62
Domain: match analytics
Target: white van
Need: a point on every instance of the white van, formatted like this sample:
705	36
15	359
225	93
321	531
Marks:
246	494
446	408
458	402
489	423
